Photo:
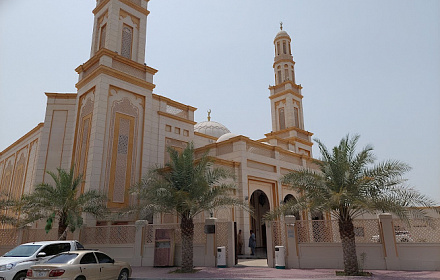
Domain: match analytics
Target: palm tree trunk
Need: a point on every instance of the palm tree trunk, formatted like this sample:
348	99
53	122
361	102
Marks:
62	228
346	231
187	233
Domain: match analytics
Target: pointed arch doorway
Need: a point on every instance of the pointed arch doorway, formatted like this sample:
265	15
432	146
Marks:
261	204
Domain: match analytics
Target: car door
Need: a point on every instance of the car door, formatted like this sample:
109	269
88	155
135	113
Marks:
108	269
90	267
52	250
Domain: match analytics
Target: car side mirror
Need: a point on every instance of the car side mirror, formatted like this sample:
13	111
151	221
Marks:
41	255
112	261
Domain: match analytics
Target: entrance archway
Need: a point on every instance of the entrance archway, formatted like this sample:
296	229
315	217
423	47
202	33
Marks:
290	197
260	202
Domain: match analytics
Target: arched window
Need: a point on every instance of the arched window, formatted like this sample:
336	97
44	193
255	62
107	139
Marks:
102	36
282	119
284	47
296	112
278	48
127	39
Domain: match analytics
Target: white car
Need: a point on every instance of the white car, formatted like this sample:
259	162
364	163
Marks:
401	236
80	265
15	263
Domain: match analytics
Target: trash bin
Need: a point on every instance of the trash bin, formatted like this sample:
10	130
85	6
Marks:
280	261
221	256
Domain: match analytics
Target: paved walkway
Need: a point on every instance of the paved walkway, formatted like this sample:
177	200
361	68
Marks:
257	269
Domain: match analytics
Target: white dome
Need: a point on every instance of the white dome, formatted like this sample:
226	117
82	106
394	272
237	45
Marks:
282	33
211	128
225	137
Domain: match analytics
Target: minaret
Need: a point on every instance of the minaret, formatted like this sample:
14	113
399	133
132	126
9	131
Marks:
114	101
286	98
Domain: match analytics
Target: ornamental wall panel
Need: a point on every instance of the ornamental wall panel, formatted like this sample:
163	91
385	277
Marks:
31	166
17	185
55	145
123	158
85	115
7	175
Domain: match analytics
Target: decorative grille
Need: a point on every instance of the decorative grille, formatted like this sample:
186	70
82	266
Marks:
419	231
127	36
177	111
116	234
221	236
366	231
261	151
9	237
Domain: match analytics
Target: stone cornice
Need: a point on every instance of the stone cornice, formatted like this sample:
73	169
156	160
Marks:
61	95
175	117
21	139
102	69
95	59
174	103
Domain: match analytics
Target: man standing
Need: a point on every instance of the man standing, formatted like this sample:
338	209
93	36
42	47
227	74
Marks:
240	242
252	242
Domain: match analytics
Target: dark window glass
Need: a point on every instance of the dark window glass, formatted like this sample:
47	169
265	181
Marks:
57	248
103	258
88	259
62	258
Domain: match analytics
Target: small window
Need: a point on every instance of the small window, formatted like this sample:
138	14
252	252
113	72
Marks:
79	246
88	259
282	119
103	258
177	130
168	128
296	112
279	77
278	48
127	38
284	47
102	36
185	132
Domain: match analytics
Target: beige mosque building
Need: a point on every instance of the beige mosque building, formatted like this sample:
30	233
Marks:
115	127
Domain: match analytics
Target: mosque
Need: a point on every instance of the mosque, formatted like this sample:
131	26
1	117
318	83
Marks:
115	127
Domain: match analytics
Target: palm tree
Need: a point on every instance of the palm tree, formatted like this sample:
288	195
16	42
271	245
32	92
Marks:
6	204
186	187
62	202
349	185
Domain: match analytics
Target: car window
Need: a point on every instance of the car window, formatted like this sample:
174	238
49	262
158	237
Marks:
103	258
79	245
22	251
88	259
63	258
57	248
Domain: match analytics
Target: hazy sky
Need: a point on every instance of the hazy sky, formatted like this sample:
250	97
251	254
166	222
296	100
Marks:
367	67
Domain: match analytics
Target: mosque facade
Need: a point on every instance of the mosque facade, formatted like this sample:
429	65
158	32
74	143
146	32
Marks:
115	127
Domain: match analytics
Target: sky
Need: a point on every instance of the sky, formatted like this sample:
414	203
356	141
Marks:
367	67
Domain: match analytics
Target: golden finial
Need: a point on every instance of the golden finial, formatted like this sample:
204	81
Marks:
281	25
209	115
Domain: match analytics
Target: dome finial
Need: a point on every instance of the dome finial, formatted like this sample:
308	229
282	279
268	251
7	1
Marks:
209	115
281	25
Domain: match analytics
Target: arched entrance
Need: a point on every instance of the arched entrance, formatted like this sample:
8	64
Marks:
290	197
260	202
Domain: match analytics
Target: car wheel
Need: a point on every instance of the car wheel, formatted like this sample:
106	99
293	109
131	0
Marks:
20	276
80	278
123	275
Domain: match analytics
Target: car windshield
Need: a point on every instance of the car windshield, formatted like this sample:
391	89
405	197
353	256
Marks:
22	251
63	258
